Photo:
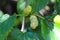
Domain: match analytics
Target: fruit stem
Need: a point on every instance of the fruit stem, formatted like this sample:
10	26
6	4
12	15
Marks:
40	16
44	18
22	29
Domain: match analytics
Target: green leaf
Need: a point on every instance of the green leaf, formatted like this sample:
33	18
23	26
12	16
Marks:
57	7
4	17
41	4
49	22
52	35
38	4
17	35
55	33
44	30
20	5
38	30
57	25
50	25
6	27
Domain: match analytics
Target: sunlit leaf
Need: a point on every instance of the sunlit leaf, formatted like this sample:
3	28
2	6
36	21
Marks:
6	27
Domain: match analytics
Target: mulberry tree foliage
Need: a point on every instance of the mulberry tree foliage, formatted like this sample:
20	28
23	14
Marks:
33	20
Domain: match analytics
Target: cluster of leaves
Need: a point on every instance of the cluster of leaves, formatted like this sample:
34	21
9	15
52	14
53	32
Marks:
10	31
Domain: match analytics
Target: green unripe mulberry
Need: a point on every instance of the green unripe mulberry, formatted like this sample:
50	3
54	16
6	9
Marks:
27	10
34	21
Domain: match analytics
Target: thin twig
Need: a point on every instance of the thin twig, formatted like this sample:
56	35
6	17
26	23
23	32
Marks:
22	29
